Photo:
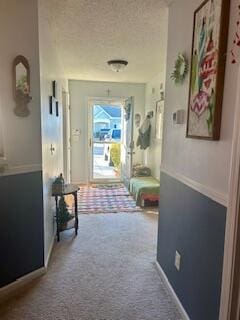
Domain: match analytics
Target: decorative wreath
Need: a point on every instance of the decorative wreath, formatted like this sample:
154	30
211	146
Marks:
180	69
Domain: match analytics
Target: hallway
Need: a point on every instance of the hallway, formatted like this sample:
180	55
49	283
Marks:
107	272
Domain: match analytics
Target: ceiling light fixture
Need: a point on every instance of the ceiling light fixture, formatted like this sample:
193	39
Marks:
117	65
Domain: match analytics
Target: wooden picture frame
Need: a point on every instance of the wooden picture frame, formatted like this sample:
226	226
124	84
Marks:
21	86
209	46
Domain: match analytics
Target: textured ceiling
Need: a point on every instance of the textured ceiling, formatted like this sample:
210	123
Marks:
88	33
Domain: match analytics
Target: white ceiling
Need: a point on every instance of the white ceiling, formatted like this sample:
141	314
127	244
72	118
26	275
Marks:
88	33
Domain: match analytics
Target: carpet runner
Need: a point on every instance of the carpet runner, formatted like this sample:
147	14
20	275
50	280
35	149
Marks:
105	199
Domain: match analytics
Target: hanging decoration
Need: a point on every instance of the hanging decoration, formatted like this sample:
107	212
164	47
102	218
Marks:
209	46
21	86
236	41
137	119
180	69
53	100
162	94
127	110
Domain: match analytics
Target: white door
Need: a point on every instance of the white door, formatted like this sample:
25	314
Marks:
128	143
105	140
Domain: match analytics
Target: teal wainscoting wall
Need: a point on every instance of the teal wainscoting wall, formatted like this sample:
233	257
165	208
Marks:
194	225
21	225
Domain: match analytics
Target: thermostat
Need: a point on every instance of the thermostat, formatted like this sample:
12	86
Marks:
179	117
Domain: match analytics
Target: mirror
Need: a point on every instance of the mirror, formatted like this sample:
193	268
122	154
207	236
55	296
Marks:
21	86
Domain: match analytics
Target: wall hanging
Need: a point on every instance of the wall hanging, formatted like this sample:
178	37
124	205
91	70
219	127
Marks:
21	86
53	102
162	94
150	114
159	119
207	69
180	69
127	110
236	40
137	120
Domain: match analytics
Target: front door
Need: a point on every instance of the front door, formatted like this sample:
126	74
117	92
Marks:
128	143
105	140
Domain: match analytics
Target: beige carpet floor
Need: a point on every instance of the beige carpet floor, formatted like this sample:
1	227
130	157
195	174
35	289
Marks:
106	273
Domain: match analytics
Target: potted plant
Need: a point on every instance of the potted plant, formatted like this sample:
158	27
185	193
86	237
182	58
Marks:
63	216
115	153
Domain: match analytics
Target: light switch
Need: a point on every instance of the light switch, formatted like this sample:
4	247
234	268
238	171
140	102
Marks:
177	260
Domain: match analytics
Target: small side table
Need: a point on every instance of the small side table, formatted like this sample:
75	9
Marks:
68	189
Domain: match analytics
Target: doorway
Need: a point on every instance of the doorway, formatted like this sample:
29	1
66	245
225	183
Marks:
110	145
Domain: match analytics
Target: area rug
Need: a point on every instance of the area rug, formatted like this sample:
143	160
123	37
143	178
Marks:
105	199
108	186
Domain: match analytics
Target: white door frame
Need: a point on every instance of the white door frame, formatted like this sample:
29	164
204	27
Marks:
66	136
128	148
232	214
118	101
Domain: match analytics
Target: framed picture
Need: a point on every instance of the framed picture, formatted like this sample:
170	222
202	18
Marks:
51	102
158	119
209	48
57	109
54	89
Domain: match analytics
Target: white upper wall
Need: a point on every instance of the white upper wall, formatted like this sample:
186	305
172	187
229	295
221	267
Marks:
19	35
152	155
205	162
80	91
52	126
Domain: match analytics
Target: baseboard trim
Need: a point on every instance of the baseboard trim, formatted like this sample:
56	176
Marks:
171	291
11	289
50	252
205	190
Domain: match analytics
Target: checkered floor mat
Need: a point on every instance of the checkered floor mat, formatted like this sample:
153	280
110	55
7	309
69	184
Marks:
105	199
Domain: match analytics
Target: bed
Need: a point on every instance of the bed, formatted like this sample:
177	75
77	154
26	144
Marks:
144	188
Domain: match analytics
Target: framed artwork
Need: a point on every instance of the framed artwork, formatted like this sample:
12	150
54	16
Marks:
51	102
158	119
209	48
54	89
57	109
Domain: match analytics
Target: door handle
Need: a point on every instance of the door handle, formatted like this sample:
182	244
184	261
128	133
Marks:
90	142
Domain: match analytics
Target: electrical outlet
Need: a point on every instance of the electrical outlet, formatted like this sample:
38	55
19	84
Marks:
177	260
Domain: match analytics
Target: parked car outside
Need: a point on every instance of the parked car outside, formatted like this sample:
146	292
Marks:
103	133
113	135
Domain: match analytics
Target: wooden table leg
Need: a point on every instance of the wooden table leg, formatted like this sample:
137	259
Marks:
76	212
57	218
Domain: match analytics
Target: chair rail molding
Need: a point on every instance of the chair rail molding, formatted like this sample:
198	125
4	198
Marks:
205	190
14	170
